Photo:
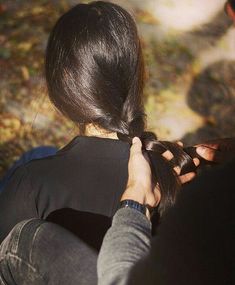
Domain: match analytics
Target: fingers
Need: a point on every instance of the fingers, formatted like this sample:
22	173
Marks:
206	152
180	143
212	144
138	167
187	177
137	146
196	161
167	155
177	170
214	155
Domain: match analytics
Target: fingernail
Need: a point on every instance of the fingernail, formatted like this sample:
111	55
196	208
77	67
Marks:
135	140
201	150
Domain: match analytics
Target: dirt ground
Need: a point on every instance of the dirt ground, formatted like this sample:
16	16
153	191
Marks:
189	93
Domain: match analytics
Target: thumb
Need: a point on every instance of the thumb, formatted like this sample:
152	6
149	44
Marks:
136	146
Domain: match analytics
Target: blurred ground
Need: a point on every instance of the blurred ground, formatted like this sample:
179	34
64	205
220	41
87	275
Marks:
189	48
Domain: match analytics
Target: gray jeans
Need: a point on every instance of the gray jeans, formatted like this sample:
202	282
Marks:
38	252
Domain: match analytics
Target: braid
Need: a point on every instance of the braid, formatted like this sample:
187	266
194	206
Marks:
162	170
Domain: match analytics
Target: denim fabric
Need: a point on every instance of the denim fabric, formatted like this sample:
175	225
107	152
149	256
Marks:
38	252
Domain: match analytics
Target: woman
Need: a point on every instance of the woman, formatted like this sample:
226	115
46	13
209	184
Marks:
95	76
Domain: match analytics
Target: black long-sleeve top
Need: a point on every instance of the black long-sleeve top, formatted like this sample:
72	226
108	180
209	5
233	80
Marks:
79	187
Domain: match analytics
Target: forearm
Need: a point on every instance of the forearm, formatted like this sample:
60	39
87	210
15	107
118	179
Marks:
125	243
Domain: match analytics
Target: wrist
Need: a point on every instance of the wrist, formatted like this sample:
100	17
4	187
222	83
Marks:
134	194
132	204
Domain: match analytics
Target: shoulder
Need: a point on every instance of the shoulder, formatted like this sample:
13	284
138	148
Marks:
17	185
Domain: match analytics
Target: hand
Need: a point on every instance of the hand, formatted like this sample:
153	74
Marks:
185	177
218	150
139	185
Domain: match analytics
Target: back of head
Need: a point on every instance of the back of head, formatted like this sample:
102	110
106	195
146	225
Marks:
95	74
94	66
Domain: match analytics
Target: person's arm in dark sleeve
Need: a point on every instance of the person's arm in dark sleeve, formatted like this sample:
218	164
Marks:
17	201
126	242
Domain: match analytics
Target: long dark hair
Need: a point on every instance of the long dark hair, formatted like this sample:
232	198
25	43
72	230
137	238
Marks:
95	74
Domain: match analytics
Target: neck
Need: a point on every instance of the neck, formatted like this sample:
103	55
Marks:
94	131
